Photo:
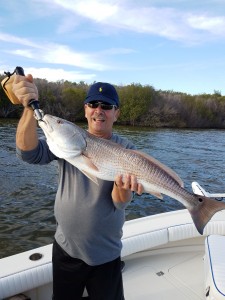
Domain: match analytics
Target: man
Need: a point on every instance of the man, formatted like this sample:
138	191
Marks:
87	246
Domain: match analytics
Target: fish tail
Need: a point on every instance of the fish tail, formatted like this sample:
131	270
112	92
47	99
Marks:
202	213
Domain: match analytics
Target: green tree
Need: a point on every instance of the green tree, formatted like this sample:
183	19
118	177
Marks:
73	101
135	101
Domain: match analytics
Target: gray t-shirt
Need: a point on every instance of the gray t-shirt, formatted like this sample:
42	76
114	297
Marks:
89	225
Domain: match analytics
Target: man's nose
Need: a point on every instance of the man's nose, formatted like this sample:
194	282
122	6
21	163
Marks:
99	107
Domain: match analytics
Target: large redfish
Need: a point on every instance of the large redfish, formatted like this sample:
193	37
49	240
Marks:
104	159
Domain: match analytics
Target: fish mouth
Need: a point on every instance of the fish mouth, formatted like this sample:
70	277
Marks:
45	125
42	123
41	120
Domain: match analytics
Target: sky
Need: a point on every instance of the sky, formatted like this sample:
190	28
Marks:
171	45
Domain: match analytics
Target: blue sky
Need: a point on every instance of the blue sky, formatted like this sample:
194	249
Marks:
174	45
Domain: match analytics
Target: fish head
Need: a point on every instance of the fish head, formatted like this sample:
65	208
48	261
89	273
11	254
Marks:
65	139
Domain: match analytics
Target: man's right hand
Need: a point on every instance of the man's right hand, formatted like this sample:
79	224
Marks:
25	89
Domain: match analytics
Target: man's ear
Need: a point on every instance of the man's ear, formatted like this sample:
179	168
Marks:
117	113
85	106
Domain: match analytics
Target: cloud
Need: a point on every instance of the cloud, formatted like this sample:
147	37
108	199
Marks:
53	74
60	54
59	74
63	55
168	22
53	53
215	25
17	40
165	20
174	20
23	52
97	10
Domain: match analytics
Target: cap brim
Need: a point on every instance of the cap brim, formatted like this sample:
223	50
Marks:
100	98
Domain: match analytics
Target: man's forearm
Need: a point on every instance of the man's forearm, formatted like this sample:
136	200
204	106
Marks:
26	135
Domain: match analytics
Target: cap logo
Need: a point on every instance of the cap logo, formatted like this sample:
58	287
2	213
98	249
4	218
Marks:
100	89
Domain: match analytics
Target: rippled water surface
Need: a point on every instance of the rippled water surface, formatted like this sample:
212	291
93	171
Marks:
27	192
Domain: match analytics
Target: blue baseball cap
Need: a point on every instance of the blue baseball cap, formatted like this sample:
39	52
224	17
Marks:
102	91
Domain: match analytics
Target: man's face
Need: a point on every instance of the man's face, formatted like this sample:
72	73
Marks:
100	120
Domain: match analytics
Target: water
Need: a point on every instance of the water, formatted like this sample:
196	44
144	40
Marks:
27	191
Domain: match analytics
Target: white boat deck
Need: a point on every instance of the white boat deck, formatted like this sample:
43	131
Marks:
171	273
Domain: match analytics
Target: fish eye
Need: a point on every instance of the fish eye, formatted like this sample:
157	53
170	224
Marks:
59	121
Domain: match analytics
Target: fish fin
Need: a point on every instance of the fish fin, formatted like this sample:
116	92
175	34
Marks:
80	161
173	174
90	165
154	193
202	213
90	176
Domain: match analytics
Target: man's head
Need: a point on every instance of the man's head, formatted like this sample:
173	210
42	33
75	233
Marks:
101	108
